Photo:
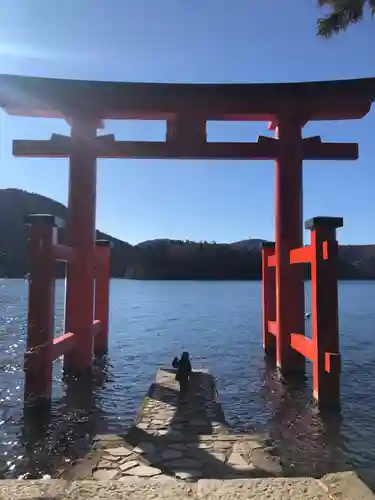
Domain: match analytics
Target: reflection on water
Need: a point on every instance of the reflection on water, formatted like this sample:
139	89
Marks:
219	323
68	430
303	427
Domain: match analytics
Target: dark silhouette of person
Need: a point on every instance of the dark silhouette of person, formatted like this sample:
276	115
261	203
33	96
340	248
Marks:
183	372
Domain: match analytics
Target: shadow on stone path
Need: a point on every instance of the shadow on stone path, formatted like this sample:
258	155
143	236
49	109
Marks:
186	438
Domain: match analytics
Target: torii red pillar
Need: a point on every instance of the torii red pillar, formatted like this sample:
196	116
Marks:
102	288
81	236
290	299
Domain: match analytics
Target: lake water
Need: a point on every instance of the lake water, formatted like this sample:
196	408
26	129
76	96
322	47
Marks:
220	324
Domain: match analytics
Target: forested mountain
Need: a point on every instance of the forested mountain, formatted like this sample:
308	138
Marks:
155	259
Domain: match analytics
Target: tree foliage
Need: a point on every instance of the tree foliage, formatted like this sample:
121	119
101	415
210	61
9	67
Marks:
343	13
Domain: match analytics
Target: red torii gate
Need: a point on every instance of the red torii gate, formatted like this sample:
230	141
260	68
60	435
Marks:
186	108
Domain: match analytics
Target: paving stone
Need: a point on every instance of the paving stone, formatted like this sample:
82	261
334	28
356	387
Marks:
177	427
119	452
151	459
189	474
171	454
143	471
222	445
107	437
177	446
162	432
236	460
106	464
176	435
217	456
132	482
112	458
145	447
164	480
206	437
82	469
196	454
264	439
133	456
105	474
241	447
227	437
207	486
350	485
199	422
262	489
268	463
200	446
128	465
185	463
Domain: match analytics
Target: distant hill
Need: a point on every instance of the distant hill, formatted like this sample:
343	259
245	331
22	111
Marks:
357	261
251	244
155	259
154	243
15	205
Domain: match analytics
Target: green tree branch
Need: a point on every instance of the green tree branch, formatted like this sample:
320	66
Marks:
343	13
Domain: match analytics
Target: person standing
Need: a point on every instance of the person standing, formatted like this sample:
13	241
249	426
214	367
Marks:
183	372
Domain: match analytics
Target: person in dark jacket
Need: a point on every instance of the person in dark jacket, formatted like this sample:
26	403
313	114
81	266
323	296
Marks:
183	372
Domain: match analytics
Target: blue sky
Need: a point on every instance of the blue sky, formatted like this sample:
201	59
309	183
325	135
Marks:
190	41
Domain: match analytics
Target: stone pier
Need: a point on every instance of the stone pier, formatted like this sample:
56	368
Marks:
186	438
183	448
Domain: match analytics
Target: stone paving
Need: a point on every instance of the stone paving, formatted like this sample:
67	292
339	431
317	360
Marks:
347	485
186	438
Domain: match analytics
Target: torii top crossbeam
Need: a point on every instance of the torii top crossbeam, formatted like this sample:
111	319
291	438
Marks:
48	97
